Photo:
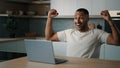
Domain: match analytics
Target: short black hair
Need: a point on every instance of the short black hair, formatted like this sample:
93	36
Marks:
83	10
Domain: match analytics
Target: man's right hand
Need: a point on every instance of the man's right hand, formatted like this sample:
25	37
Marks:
52	13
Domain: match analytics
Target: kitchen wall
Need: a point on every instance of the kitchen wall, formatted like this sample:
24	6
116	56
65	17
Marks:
22	27
37	25
22	24
2	28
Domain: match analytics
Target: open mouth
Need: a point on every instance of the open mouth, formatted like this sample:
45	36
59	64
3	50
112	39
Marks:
77	24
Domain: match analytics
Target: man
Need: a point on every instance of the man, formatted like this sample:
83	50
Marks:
82	41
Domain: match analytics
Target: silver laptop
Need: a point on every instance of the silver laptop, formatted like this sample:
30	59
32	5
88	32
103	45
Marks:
41	51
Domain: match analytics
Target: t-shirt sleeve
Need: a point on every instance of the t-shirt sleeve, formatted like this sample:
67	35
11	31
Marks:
103	36
62	35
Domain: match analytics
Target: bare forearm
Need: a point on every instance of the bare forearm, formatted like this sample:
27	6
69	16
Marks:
49	30
114	36
115	33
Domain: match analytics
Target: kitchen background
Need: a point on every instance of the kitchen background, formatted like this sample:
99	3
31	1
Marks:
31	15
27	23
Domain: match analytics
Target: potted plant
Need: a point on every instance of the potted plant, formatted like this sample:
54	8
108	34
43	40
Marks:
11	27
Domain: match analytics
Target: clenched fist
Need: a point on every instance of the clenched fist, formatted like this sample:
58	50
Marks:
105	14
52	13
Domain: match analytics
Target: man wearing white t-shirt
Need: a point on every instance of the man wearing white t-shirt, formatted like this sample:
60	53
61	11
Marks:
82	41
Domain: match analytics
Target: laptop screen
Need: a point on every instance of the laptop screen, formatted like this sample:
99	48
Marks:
40	51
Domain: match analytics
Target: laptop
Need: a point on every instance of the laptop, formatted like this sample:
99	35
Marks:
41	51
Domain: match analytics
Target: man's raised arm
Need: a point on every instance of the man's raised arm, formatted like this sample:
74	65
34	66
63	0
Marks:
49	33
114	37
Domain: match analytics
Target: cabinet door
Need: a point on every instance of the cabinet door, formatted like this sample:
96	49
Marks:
112	52
14	46
102	52
59	48
64	7
85	4
112	4
68	7
97	6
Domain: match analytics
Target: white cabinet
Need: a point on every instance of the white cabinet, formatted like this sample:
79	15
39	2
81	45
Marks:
59	48
19	47
110	52
13	46
112	4
97	6
64	7
102	52
84	4
68	7
94	6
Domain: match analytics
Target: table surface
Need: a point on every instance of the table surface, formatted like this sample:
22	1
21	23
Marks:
73	62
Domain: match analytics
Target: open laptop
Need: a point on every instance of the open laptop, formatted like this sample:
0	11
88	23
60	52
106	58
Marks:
41	51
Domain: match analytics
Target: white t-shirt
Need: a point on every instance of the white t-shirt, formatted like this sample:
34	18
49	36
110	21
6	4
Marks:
82	44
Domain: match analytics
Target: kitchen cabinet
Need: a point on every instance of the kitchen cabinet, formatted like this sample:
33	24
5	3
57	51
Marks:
94	6
13	46
64	7
112	52
84	4
19	47
11	49
60	48
97	6
112	4
33	8
68	7
41	7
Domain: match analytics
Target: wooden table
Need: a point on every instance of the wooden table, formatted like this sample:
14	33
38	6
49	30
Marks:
72	63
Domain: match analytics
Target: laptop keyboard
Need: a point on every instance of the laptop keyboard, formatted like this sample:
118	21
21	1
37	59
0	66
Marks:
57	60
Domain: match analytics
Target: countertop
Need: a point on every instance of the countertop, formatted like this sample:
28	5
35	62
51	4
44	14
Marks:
17	39
60	16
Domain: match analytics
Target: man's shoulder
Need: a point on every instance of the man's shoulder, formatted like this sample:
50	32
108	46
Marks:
97	30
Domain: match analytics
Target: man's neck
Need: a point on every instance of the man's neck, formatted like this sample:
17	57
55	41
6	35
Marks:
84	30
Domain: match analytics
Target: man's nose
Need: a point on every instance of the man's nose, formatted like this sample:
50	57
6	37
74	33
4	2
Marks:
79	21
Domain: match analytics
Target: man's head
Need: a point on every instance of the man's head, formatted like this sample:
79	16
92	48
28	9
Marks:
81	19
